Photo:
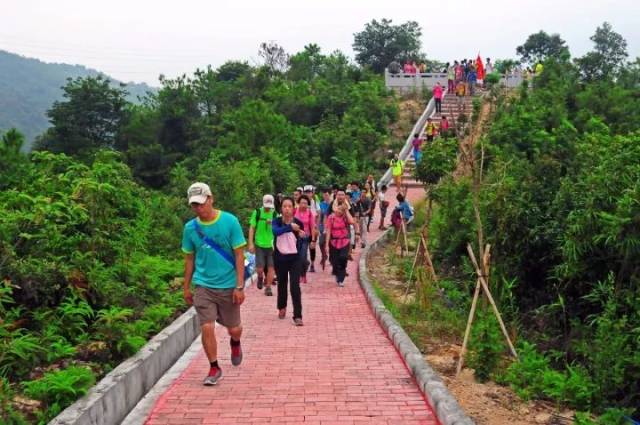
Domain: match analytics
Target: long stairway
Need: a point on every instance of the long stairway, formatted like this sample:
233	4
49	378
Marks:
452	110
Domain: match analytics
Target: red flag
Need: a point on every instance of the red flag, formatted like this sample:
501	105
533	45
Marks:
479	68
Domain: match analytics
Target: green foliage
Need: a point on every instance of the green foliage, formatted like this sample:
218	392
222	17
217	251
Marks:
541	46
89	119
559	206
486	345
29	87
492	78
607	58
438	160
18	351
381	42
8	415
60	388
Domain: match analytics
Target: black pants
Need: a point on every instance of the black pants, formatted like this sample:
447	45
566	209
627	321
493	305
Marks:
438	105
339	259
288	272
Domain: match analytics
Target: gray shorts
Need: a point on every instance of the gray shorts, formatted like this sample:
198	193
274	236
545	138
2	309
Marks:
264	257
216	305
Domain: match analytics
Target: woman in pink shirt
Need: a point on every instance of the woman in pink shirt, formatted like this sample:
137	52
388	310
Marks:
337	240
308	219
437	96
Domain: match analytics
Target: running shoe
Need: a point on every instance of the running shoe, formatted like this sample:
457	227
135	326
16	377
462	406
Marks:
298	321
268	292
260	281
281	313
341	284
236	354
312	269
215	374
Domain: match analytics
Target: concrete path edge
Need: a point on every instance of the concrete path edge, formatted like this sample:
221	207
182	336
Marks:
443	403
109	401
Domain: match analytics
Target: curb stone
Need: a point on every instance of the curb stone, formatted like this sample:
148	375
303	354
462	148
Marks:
445	406
110	400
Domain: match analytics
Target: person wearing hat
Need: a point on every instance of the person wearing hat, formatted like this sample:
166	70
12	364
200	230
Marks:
261	242
214	262
296	195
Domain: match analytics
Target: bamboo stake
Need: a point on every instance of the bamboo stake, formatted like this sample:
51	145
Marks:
474	304
467	331
430	264
490	297
406	244
415	260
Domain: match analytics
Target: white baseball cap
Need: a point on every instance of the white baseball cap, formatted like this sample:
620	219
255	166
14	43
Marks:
267	201
198	192
308	188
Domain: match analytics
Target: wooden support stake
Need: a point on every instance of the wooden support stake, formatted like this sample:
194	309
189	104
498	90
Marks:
474	304
490	297
467	331
415	261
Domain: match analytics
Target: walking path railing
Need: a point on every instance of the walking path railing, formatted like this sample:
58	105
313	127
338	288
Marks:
405	152
404	83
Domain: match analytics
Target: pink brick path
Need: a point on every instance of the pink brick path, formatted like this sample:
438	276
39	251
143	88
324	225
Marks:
339	368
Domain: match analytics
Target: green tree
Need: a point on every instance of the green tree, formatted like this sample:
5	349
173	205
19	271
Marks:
275	57
380	43
89	118
541	46
232	70
608	56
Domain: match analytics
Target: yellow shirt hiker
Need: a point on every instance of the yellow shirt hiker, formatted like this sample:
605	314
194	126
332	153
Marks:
397	167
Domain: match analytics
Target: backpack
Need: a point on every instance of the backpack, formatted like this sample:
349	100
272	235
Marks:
347	226
396	218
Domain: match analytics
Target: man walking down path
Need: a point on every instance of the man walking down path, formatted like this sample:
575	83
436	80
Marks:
214	261
340	367
261	242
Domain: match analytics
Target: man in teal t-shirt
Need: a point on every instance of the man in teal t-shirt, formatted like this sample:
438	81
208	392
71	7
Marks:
214	261
261	242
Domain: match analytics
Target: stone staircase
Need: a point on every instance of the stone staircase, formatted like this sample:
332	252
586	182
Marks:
452	111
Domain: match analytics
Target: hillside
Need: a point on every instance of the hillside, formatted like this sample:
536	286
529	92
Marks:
28	87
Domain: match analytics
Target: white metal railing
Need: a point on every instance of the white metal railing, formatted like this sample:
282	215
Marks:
407	82
405	152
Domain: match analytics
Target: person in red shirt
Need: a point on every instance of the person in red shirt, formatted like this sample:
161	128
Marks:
444	127
437	96
337	240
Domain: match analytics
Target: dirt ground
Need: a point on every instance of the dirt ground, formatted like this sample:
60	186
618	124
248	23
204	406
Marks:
487	403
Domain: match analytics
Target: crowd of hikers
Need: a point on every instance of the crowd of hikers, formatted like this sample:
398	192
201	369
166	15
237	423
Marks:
285	234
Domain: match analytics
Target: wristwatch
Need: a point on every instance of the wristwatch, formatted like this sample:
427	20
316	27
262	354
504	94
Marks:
240	289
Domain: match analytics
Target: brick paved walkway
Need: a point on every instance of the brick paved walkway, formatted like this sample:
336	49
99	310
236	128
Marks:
339	368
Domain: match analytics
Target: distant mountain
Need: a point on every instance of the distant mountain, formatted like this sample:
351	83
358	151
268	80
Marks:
28	87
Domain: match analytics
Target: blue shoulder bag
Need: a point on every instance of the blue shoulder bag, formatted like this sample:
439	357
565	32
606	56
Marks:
248	270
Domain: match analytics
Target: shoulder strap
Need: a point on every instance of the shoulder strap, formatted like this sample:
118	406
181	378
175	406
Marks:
217	248
257	217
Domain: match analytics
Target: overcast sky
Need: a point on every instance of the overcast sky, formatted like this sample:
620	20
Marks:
136	40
